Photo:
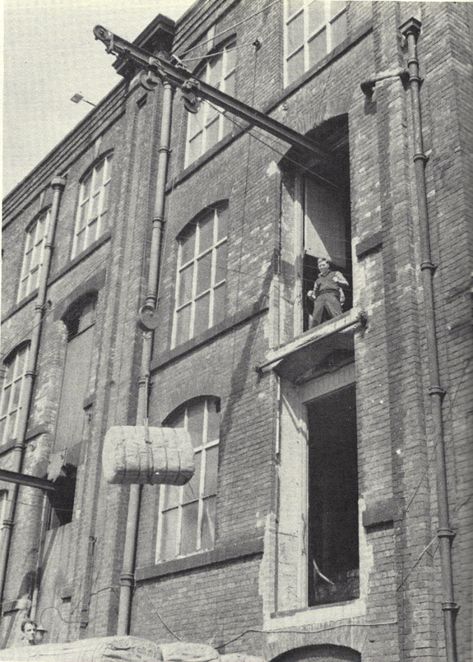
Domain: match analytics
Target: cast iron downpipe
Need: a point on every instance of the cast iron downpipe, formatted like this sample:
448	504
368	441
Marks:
57	184
148	321
411	31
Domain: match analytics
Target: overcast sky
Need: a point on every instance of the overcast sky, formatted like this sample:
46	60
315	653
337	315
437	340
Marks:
49	54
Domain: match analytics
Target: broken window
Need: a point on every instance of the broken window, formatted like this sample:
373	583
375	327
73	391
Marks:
332	526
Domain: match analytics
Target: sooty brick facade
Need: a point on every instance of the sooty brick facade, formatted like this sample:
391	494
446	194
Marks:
312	534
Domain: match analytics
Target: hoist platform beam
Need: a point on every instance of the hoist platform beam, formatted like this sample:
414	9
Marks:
27	481
180	76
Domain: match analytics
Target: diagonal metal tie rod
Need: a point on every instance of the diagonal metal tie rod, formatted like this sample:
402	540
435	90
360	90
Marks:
181	77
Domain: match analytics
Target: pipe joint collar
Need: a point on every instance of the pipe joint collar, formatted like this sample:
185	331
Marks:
127	579
446	532
435	389
450	606
427	265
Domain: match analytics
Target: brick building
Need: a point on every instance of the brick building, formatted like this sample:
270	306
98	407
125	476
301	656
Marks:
318	525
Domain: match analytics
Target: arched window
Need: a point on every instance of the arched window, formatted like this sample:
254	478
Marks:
201	275
33	254
13	384
91	217
206	127
187	514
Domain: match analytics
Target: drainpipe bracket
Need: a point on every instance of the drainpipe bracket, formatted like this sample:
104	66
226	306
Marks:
148	318
127	579
428	265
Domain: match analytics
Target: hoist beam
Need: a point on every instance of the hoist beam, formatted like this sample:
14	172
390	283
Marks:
27	481
181	77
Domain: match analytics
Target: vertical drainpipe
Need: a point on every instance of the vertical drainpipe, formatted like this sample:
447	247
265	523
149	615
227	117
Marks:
411	31
57	184
148	312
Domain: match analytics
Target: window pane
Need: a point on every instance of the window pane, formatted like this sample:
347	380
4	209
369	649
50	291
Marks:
189	528
2	431
335	7
213	423
318	47
204	266
339	29
206	233
86	187
196	121
195	147
187	246
293	5
185	284
295	33
208	523
105	196
230	58
212	133
195	423
295	66
222	223
211	470
171	496
315	15
98	175
192	488
5	400
168	535
215	70
230	84
183	318
201	320
219	304
221	262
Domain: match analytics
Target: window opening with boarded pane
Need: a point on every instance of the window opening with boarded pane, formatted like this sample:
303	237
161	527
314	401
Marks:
187	513
333	551
201	276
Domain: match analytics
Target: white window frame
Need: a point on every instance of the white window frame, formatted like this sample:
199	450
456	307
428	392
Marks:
201	497
90	223
33	254
309	35
194	260
14	381
207	113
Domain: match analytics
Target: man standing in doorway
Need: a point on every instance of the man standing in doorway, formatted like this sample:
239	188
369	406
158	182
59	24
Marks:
327	292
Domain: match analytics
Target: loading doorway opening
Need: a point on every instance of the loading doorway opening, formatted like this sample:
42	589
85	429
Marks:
333	548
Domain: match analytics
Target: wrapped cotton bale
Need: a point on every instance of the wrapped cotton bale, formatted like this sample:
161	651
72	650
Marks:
103	649
141	455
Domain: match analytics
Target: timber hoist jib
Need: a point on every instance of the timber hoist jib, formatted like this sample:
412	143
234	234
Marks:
154	69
